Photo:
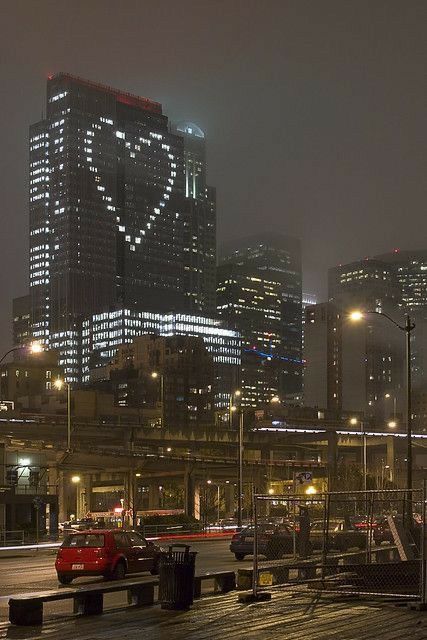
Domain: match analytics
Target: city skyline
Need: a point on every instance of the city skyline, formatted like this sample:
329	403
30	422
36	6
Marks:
349	78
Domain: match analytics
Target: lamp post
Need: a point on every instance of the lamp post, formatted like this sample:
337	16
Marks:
387	396
156	375
408	327
354	422
59	384
76	481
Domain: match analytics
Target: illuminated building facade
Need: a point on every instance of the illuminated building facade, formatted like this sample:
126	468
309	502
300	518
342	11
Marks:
107	201
103	333
259	294
199	224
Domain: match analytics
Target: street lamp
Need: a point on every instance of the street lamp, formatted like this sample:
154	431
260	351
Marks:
155	375
392	424
59	384
32	348
355	421
387	396
232	407
408	327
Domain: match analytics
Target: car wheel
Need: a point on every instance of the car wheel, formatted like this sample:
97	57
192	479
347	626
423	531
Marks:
119	571
239	556
63	579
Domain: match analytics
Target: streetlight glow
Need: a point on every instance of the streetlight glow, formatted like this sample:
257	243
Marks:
36	347
356	316
154	374
75	479
392	424
58	384
310	491
354	421
237	393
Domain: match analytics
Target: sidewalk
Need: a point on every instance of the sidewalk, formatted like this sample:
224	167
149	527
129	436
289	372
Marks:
286	617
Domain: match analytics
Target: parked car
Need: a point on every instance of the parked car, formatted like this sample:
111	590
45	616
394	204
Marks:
382	532
111	553
274	540
342	535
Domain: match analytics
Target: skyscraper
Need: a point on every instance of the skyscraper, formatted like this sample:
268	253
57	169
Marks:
107	201
368	358
259	294
199	225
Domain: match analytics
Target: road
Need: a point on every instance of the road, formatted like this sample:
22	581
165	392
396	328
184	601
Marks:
36	572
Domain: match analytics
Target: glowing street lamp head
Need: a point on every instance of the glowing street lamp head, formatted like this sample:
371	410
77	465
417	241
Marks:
154	374
354	421
237	393
356	316
209	481
58	384
35	347
233	408
75	479
392	424
387	395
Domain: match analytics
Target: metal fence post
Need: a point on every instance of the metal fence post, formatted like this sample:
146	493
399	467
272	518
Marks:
423	585
255	563
326	507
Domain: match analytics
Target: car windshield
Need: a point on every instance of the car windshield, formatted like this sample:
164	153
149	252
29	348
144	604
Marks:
84	540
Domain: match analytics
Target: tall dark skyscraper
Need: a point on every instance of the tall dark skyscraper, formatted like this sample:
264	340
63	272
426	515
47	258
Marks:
121	216
199	224
107	205
369	357
259	294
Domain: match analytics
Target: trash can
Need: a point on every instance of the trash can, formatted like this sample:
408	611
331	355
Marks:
176	579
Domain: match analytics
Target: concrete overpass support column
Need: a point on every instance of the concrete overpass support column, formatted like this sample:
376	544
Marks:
154	496
230	499
332	460
189	494
390	458
84	488
59	478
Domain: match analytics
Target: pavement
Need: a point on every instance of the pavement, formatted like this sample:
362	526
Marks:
288	616
35	571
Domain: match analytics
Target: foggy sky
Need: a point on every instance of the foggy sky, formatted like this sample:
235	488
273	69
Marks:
315	112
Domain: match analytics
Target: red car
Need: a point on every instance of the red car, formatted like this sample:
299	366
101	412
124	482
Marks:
111	553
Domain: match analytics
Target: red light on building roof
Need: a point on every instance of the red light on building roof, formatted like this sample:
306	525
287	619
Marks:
396	250
49	76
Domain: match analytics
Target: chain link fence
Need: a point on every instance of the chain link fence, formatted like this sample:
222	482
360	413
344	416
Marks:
364	542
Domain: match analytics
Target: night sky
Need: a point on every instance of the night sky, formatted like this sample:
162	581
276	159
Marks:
315	112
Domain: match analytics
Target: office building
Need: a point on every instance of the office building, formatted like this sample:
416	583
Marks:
175	373
410	270
21	327
352	367
259	295
103	333
107	203
199	224
372	351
